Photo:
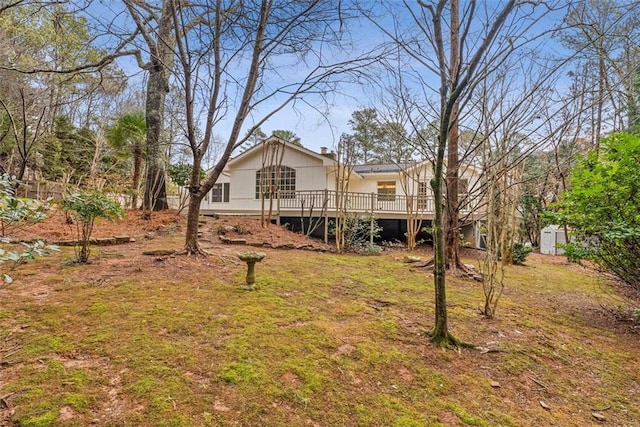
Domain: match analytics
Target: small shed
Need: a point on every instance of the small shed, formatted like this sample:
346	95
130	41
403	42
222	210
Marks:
550	237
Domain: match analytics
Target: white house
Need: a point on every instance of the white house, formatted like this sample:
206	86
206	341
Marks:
306	185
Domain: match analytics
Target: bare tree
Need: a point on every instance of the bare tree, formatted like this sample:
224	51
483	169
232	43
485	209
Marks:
226	67
412	181
347	153
460	61
602	35
269	177
26	126
452	202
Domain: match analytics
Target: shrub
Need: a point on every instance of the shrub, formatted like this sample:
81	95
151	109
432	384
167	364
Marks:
575	252
520	253
86	207
367	248
603	204
17	213
357	230
16	258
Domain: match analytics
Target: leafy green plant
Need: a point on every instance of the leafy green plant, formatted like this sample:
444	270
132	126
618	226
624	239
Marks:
520	253
575	252
603	204
357	230
369	248
85	207
16	213
10	260
180	174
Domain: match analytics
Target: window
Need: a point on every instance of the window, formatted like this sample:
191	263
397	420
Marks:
272	180
220	193
386	191
423	192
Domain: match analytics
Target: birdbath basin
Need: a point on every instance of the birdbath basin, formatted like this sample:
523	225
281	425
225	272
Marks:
251	258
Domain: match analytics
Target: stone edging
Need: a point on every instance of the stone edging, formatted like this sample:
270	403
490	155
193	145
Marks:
98	241
305	246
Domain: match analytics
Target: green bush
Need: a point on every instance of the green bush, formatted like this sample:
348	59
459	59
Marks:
16	213
357	230
603	204
85	208
520	253
367	248
575	252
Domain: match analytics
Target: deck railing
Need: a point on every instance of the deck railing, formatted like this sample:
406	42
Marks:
366	203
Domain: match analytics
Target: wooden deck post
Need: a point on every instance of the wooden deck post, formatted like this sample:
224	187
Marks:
326	216
278	209
372	221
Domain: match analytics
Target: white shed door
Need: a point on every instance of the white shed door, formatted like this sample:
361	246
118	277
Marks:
547	245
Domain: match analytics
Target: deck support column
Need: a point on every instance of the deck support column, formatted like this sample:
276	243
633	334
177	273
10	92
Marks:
326	216
372	223
278	209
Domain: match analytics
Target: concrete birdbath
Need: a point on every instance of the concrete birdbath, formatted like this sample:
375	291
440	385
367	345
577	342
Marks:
251	258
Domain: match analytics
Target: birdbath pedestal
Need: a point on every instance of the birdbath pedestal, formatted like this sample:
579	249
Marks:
251	258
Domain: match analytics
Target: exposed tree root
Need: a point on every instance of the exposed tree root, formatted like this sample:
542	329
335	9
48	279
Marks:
469	273
193	252
428	264
462	270
448	341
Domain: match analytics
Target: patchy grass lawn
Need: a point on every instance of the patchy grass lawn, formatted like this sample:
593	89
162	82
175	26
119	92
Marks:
327	340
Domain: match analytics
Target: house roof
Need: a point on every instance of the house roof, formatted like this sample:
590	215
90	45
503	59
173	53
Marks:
326	160
384	168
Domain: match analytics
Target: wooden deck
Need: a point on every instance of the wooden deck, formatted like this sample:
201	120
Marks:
323	203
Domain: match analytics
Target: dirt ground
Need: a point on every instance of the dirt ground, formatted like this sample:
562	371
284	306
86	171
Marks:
59	227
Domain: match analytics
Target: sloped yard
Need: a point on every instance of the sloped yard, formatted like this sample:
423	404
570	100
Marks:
327	340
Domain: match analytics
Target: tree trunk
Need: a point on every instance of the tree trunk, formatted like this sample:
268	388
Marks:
157	88
193	213
155	195
441	329
22	170
598	129
137	174
452	204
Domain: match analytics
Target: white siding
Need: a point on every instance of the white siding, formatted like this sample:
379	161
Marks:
370	183
311	174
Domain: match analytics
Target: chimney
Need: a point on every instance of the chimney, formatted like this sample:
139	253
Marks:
324	152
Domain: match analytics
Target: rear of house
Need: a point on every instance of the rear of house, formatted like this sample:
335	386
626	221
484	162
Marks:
305	186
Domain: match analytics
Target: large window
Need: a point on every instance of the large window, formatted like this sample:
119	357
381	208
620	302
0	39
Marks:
386	191
274	180
423	193
220	193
